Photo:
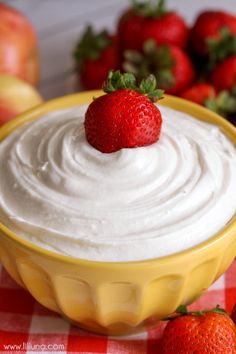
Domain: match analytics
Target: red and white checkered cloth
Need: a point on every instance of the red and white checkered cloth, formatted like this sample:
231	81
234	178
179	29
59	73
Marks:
27	327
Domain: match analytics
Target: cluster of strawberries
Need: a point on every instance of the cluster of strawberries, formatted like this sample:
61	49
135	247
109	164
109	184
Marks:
198	64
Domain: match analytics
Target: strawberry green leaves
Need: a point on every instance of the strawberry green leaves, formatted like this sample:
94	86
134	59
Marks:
156	60
149	8
183	310
148	88
91	45
118	81
222	47
223	104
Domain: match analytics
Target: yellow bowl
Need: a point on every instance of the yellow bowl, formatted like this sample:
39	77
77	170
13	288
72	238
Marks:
117	298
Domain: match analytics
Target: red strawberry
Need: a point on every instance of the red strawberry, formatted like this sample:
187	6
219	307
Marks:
145	21
171	66
95	55
223	76
223	102
169	29
199	93
208	25
130	27
200	332
125	117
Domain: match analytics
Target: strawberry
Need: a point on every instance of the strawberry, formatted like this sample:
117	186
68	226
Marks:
126	116
130	27
223	103
199	93
209	25
145	21
223	76
208	332
95	55
171	66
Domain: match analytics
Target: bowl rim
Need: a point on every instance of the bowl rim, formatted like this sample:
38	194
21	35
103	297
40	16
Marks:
85	97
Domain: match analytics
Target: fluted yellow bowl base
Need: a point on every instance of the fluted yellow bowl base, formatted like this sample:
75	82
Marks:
117	329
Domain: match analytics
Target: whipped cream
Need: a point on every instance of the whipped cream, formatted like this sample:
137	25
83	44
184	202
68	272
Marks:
60	193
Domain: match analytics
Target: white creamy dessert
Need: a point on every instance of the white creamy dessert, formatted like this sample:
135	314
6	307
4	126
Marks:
60	193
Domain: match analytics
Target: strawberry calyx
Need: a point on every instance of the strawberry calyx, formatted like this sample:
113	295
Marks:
148	9
91	45
223	104
221	47
182	310
118	81
153	59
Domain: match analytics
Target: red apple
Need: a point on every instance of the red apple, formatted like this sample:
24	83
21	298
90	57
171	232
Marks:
16	96
18	45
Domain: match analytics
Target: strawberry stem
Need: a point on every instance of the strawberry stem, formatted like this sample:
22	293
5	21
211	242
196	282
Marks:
153	59
223	104
91	45
221	47
218	309
148	9
117	81
182	310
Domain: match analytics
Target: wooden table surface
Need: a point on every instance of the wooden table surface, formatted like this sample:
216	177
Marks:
60	22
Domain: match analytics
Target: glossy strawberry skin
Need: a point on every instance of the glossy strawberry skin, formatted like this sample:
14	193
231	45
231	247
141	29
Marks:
208	25
130	27
122	119
134	30
223	76
168	29
183	71
199	93
190	334
94	72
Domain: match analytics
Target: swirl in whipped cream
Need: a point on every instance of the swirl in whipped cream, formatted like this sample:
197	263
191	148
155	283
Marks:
60	193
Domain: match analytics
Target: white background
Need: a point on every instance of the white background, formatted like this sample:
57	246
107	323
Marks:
60	22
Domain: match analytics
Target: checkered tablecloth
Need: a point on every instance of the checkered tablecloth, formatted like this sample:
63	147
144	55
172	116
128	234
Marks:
27	327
